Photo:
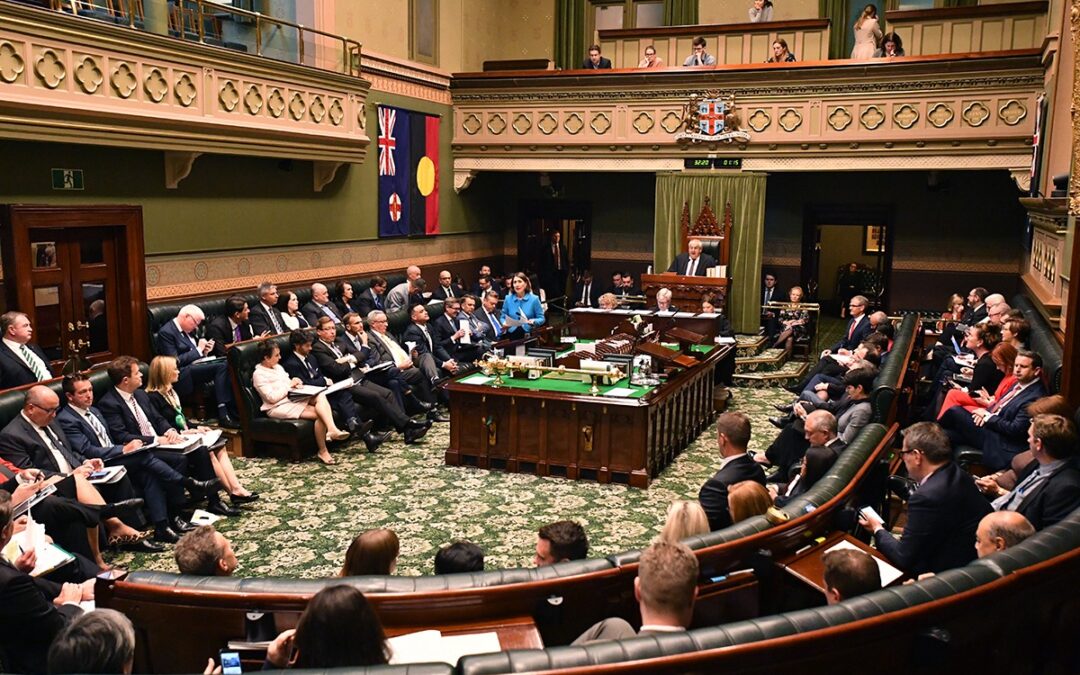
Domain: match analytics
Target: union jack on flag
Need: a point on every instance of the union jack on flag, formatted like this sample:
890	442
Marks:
711	116
387	142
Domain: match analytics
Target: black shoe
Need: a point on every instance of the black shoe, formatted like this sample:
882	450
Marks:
220	508
413	434
202	486
180	525
438	416
358	427
126	507
420	405
790	407
373	440
142	546
777	422
243	499
227	421
165	535
417	423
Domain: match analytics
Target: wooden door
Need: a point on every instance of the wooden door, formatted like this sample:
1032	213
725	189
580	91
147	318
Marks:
78	274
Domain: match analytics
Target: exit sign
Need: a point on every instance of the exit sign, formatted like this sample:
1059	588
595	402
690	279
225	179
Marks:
712	163
67	179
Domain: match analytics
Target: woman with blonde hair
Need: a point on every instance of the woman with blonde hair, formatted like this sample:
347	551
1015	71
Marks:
372	552
163	375
867	34
685	518
747	499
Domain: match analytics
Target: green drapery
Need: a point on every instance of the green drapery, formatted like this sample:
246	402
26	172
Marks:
569	33
746	194
836	11
680	12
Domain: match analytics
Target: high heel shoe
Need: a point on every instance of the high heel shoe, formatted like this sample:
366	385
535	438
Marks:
326	461
337	435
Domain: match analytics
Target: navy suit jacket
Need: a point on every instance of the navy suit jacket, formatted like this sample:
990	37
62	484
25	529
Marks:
313	312
259	320
714	493
594	294
678	265
28	619
437	351
1009	427
943	514
221	332
327	361
440	293
171	341
365	303
1054	498
122	425
21	445
81	435
13	371
862	330
295	368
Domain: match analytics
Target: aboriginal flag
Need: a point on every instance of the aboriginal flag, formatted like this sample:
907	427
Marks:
408	144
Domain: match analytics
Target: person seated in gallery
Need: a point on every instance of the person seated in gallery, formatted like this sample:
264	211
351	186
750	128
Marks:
608	302
177	338
273	385
685	518
780	52
233	327
388	350
338	629
650	59
595	61
693	262
99	641
458	558
373	298
372	552
747	499
700	57
665	588
559	542
21	361
793	321
849	573
523	306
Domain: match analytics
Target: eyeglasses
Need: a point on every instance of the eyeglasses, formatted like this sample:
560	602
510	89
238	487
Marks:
47	411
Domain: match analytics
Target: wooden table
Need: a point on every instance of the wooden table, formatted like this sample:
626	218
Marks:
806	565
594	325
557	429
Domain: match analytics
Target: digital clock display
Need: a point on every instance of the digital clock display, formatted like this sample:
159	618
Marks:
713	162
698	163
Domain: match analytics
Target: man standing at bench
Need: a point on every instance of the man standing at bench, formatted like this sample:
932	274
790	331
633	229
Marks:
942	514
665	588
177	338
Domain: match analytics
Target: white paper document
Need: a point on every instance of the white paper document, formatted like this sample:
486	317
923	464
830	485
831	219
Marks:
888	573
432	646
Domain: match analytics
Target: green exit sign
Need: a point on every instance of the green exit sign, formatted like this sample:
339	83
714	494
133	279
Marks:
712	163
67	179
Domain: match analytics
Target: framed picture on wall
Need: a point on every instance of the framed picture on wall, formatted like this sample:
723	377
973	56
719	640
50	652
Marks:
873	239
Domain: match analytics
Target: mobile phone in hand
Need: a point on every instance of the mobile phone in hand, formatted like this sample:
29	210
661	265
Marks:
230	662
869	513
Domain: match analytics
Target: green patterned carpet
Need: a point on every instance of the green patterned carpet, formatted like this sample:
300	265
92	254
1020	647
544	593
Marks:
308	513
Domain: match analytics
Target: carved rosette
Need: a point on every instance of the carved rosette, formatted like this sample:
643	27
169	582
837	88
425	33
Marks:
318	109
1011	112
155	85
840	118
975	114
643	122
337	112
276	103
185	90
871	117
297	106
88	75
906	116
790	120
12	65
50	69
253	100
471	124
229	96
940	115
759	121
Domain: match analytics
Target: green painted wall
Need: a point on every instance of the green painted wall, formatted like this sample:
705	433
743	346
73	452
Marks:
232	202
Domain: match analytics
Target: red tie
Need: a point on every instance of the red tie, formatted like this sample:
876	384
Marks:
851	331
998	405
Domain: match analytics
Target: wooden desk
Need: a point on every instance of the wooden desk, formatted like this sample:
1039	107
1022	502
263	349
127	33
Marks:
568	433
595	325
686	291
514	633
806	566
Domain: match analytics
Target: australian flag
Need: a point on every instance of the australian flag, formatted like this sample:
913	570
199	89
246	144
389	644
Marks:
408	144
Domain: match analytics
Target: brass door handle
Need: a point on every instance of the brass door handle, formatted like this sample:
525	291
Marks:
78	325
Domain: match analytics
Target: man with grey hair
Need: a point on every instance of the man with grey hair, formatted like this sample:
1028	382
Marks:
101	641
1000	530
398	297
177	338
663	300
319	306
387	349
21	361
694	262
265	317
665	589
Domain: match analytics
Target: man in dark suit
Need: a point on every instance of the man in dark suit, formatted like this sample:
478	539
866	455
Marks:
373	298
320	306
265	317
479	332
732	438
1048	489
478	288
21	361
160	477
555	266
447	288
224	330
1000	430
694	262
430	356
388	350
1001	530
586	293
34	610
595	61
33	440
177	338
858	327
976	310
769	293
485	284
449	333
616	287
629	285
337	361
942	514
665	589
129	415
488	314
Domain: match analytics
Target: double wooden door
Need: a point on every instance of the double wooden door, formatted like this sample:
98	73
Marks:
78	274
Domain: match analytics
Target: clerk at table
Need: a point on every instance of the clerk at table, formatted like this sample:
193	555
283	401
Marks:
694	263
521	301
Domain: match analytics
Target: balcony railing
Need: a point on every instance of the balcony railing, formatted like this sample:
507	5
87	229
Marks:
230	27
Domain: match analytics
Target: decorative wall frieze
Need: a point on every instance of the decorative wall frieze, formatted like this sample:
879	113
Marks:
194	274
406	78
70	79
926	110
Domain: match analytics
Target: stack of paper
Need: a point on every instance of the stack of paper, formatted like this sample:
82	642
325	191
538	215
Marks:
430	646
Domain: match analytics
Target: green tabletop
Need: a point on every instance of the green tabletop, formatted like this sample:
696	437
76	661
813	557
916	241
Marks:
552	384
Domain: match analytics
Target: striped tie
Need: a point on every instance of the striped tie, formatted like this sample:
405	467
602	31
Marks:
32	361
